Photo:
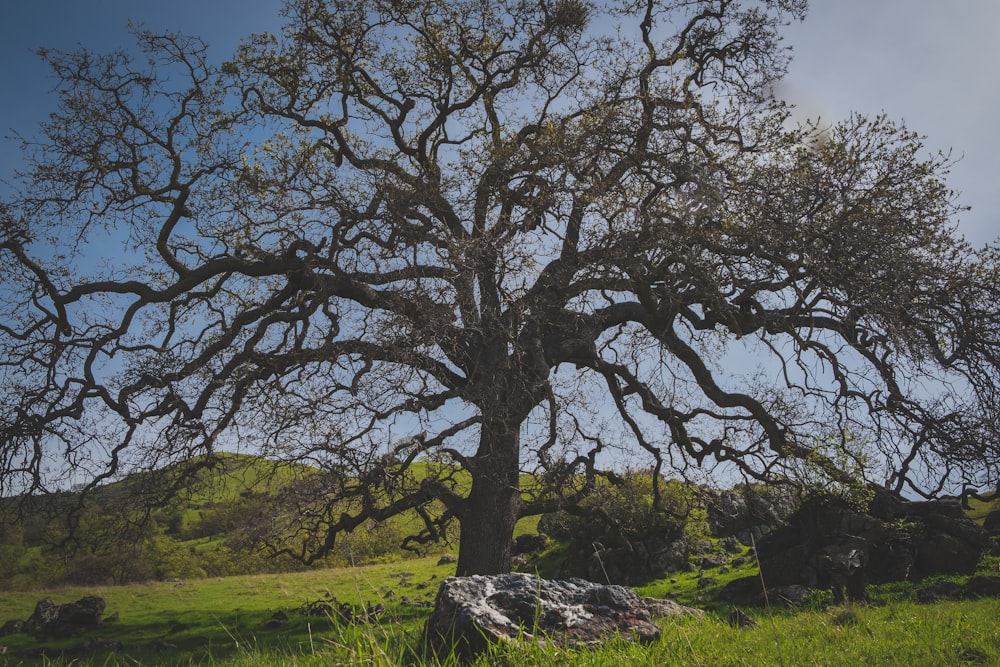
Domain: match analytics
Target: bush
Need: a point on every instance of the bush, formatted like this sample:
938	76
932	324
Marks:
622	533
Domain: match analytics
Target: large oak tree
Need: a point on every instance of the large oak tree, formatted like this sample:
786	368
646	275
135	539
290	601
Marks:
487	238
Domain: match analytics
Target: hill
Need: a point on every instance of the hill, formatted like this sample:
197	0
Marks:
211	524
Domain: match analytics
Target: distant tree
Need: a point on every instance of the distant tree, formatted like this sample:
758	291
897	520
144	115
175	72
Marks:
430	245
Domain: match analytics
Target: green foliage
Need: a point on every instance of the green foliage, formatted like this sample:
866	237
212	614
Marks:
626	531
617	514
206	529
844	454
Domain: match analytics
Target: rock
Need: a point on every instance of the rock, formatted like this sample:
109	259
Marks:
660	608
277	620
713	561
945	590
749	591
524	562
642	560
46	613
447	559
753	535
844	570
745	590
472	612
791	596
892	557
940	552
739	619
701	547
828	543
406	601
669	558
101	644
529	543
318	608
749	514
991	524
85	612
983	586
161	645
12	627
705	582
55	620
731	545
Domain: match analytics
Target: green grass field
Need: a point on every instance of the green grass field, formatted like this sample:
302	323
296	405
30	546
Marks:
225	617
231	620
224	621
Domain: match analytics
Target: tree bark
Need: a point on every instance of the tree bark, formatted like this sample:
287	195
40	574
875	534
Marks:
493	505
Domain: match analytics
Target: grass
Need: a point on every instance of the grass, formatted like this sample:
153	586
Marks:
979	509
225	622
908	634
227	618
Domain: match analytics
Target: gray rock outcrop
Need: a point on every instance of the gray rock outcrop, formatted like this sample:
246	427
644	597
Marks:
65	620
829	544
749	514
472	612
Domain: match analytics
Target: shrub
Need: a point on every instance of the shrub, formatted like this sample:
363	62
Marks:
623	532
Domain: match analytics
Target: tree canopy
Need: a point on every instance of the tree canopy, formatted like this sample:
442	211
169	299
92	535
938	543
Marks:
553	237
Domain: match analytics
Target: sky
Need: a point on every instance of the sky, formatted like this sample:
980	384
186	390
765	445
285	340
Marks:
932	63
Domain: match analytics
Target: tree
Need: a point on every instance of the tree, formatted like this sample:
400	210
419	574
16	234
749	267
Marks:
428	246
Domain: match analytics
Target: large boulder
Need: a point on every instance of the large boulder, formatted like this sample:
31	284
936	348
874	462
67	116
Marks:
983	586
472	612
749	514
65	620
828	543
46	613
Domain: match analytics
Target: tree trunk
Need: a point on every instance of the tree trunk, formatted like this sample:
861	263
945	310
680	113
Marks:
493	505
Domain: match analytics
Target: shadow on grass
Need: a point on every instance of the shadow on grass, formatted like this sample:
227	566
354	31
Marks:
205	638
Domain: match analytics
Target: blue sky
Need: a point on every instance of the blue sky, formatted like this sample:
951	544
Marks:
933	63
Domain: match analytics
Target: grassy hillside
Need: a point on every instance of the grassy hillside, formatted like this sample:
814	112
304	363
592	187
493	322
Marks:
203	529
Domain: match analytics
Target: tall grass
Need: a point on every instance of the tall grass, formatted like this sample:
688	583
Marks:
948	633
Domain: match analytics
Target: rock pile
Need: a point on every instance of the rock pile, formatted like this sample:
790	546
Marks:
827	544
65	620
60	621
